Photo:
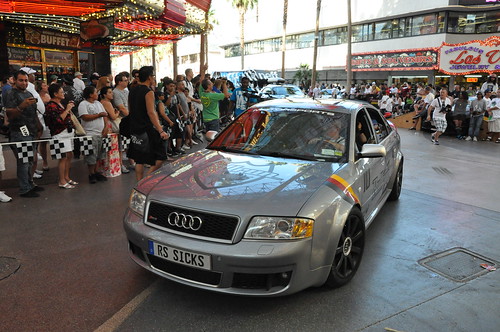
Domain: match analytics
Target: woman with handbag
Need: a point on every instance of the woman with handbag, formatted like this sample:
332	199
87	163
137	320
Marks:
112	165
58	119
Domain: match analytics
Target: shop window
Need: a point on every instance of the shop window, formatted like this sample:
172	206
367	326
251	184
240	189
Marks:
485	22
441	22
357	33
383	30
367	32
330	37
424	25
398	27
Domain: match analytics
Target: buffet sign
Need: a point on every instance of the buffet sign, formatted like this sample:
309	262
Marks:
42	37
470	57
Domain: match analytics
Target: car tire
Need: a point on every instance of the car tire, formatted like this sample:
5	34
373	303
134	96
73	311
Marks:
397	185
349	250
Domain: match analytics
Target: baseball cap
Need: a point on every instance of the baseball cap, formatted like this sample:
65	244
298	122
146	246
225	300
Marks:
28	70
78	74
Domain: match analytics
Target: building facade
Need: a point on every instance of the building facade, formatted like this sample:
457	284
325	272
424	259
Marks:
391	41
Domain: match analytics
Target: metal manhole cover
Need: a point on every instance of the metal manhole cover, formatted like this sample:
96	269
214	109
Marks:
8	266
457	264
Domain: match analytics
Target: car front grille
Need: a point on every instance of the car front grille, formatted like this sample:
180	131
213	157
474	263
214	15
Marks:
214	226
186	272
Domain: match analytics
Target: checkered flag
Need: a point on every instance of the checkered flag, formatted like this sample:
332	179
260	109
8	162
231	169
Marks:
25	151
106	144
86	145
55	149
125	142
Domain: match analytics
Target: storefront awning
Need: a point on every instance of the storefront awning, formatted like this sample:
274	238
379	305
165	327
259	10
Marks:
136	22
58	7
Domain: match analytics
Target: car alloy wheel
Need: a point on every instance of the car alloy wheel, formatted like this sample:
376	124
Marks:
349	250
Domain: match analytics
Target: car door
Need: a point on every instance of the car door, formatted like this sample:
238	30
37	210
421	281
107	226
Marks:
384	167
365	168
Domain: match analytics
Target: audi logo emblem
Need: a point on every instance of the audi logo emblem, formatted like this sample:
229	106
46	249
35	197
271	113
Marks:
185	221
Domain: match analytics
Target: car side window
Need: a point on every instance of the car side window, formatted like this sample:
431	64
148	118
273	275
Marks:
380	125
364	132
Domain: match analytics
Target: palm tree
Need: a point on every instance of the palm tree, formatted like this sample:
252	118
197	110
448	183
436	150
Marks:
243	6
303	76
316	38
283	41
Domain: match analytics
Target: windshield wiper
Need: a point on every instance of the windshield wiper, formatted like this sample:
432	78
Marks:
287	155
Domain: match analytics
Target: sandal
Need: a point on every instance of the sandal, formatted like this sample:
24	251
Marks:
66	186
74	183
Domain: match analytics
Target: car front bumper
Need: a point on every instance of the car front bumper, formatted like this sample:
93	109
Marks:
248	267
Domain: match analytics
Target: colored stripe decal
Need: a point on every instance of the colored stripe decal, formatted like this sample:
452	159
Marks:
344	186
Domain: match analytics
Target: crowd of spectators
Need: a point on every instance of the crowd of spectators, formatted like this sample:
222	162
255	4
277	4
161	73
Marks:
164	118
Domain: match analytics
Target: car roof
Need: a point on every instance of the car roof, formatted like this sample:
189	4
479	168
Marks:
313	104
279	85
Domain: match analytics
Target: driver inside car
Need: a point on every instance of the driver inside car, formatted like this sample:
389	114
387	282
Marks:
332	141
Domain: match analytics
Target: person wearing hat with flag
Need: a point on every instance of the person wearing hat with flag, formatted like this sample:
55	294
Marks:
78	83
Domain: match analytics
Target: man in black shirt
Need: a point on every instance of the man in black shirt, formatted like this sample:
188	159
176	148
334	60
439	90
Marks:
24	126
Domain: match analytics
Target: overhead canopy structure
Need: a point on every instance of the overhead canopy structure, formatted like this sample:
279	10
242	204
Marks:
136	22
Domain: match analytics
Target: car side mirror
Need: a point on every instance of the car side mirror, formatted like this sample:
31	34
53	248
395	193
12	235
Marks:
372	151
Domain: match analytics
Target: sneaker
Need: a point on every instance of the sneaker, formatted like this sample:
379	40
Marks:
125	170
38	171
100	177
468	138
30	194
436	142
432	138
186	147
37	175
92	178
37	189
475	139
4	198
132	166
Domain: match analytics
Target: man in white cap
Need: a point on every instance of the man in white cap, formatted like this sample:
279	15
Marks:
78	83
40	112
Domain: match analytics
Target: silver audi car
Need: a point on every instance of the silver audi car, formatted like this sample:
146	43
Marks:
278	202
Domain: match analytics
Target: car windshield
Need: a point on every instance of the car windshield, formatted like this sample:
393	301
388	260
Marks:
288	133
287	91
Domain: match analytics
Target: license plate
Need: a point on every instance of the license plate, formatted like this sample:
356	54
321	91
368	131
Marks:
183	257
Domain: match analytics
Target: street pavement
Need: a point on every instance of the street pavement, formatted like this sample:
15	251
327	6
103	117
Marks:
75	273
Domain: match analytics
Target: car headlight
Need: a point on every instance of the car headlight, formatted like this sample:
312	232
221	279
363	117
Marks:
137	202
279	228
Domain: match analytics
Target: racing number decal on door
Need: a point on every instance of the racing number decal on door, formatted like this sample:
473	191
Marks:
367	180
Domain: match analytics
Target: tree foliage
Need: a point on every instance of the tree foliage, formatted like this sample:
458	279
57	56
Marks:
303	76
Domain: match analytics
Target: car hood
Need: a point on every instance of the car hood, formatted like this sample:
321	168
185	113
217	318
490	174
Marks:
237	183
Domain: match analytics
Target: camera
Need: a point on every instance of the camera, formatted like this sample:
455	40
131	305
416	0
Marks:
446	109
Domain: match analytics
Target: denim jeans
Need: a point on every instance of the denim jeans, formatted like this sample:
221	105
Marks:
475	125
24	175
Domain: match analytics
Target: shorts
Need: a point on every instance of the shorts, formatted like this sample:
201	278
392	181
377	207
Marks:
494	126
213	125
2	160
459	117
157	149
67	139
440	124
98	152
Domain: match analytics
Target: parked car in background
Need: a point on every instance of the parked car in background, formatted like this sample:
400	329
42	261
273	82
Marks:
277	203
279	91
